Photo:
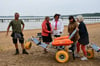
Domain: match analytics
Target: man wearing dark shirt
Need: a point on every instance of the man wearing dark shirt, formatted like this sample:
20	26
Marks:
17	33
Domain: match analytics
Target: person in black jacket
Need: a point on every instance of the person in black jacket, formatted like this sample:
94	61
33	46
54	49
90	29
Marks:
84	37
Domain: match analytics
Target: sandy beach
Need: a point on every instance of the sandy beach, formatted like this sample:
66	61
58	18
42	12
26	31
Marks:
36	56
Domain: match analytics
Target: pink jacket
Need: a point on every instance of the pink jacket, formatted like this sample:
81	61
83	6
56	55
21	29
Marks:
45	31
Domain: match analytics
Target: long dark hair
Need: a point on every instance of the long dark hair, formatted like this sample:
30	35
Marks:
71	17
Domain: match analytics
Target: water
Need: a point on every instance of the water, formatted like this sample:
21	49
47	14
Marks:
36	24
28	25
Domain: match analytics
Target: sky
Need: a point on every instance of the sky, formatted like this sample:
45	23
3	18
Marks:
48	7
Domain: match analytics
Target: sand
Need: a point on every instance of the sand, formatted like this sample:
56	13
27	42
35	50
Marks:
36	56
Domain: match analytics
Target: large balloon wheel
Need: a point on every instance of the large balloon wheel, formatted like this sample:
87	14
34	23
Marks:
90	53
62	56
28	45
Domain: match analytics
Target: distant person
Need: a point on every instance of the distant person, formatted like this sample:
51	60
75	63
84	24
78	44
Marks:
46	32
17	33
71	27
84	38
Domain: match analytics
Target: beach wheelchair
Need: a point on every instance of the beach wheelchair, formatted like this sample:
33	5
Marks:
62	55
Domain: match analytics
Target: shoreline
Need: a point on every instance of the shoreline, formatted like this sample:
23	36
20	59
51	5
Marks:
40	28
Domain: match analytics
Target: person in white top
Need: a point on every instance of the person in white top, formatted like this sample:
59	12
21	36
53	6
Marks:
57	26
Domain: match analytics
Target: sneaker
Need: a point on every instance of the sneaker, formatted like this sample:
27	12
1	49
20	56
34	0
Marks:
84	58
70	51
24	51
17	52
77	55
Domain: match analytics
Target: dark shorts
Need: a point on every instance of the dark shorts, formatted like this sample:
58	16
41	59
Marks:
47	38
56	35
16	37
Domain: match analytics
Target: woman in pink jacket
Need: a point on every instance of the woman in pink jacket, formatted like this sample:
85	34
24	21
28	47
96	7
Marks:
46	32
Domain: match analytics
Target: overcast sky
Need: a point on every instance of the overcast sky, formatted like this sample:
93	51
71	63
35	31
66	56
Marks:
48	7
